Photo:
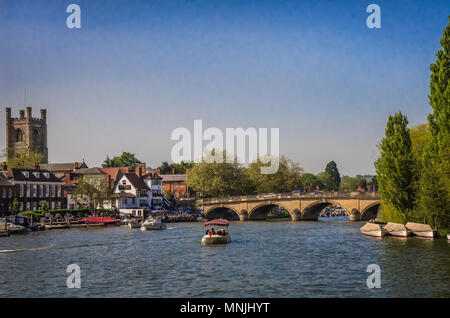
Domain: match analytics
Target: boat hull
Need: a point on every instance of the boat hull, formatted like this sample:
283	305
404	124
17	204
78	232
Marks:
377	233
401	233
216	239
153	227
426	234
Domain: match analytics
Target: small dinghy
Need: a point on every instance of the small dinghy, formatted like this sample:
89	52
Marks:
373	229
422	230
397	229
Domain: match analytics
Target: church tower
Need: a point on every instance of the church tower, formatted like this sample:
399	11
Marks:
26	133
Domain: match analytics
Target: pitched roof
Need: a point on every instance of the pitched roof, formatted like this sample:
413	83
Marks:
89	171
62	166
115	172
17	175
137	182
173	177
151	175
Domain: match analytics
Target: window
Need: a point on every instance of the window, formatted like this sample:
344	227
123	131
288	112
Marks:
41	190
36	174
26	174
59	191
27	190
10	193
34	190
21	191
19	135
124	181
46	174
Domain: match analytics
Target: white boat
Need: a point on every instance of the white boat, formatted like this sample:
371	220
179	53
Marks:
153	223
373	229
132	224
397	229
421	230
219	236
448	237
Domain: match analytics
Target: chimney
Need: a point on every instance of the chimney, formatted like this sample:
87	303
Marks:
75	165
5	166
139	171
144	168
22	114
173	170
36	165
108	182
8	114
158	171
67	177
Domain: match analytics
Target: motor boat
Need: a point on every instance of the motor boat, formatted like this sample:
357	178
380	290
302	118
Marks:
216	236
397	229
153	223
373	229
421	230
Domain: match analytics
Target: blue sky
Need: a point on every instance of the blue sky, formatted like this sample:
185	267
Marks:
138	69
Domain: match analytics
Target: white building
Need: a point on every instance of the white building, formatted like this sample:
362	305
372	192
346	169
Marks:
135	194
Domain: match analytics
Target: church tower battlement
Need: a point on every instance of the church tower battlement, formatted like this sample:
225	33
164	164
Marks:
26	133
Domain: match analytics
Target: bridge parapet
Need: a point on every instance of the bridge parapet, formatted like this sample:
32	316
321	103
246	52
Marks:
290	195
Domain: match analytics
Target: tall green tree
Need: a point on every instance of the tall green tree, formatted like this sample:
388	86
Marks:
311	182
213	179
332	170
24	159
435	178
286	179
395	167
126	159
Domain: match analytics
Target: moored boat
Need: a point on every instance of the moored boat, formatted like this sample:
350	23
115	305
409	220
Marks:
397	229
373	229
220	236
153	223
421	230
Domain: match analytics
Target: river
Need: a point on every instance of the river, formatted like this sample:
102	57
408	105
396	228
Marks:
327	258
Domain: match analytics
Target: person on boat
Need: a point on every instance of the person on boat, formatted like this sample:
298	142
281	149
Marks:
207	231
213	232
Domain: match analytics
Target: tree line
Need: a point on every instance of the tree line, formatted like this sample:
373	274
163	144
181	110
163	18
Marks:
413	169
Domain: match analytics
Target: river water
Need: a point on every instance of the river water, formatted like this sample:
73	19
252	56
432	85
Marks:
328	258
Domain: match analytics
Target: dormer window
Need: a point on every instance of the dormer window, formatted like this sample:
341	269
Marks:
124	181
26	174
46	174
36	174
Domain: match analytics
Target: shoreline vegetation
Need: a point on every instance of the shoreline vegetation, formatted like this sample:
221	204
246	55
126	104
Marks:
413	170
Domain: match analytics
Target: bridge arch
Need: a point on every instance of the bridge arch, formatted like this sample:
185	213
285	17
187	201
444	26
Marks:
370	212
260	211
312	210
222	212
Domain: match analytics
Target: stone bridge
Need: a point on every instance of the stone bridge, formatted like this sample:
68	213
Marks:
359	206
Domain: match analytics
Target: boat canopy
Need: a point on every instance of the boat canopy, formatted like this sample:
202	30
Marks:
218	222
418	227
371	227
395	227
